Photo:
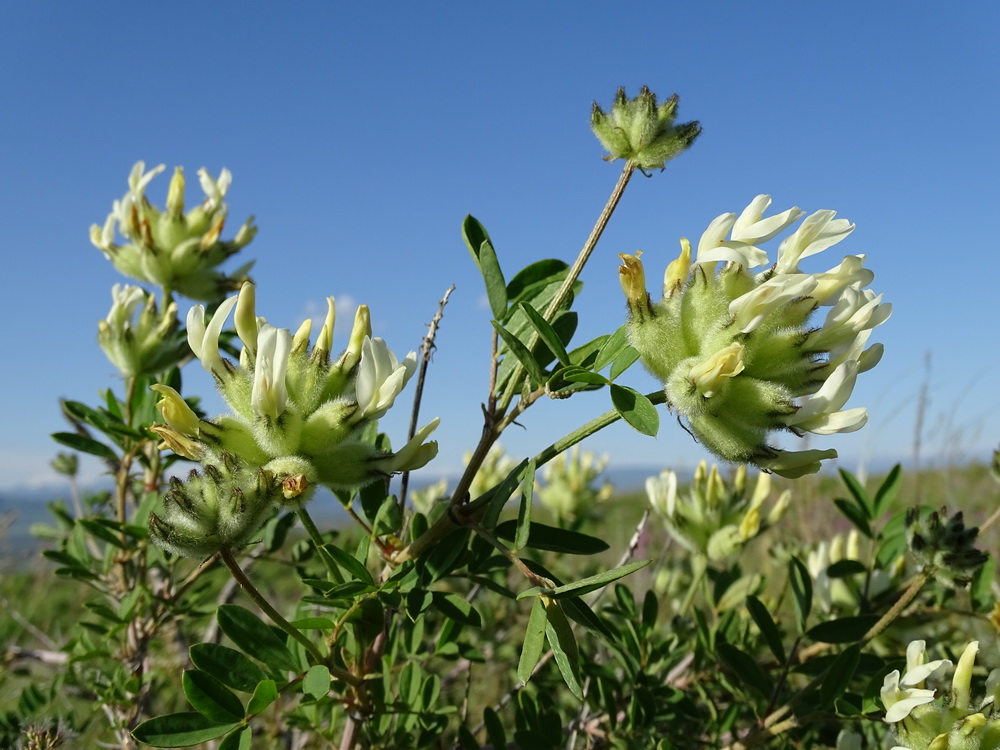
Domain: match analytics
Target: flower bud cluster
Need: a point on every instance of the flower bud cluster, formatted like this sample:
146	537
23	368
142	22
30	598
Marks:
641	130
299	416
927	719
946	548
736	351
569	483
172	249
143	345
713	518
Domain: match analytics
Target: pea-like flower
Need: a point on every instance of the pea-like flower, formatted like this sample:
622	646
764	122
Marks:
712	518
737	352
926	719
139	344
299	416
172	249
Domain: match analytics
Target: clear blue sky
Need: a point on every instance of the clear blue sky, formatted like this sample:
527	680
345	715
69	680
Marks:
361	134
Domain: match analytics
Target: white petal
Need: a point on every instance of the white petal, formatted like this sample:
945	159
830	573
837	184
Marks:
712	237
741	253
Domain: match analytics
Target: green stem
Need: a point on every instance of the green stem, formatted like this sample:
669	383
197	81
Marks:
566	289
317	539
699	567
454	517
265	605
902	603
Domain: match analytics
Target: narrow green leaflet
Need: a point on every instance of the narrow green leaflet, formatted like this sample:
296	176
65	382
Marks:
228	665
238	740
886	493
844	630
317	681
534	641
553	539
481	248
180	730
85	445
845	568
350	564
802	591
546	333
252	636
523	531
585	585
856	515
768	628
209	697
539	274
564	649
496	287
745	669
263	696
494	728
839	676
613	346
520	351
623	361
456	608
501	494
857	492
635	409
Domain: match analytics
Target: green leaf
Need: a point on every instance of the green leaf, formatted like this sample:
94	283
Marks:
227	665
635	409
586	354
350	564
885	495
534	641
802	591
180	730
252	636
553	539
613	346
520	351
238	740
85	445
845	568
585	585
745	669
317	681
209	697
857	492
623	361
523	530
456	608
855	515
545	333
844	630
102	532
768	628
264	694
839	675
494	729
500	494
564	649
538	274
585	376
496	287
313	623
981	589
481	248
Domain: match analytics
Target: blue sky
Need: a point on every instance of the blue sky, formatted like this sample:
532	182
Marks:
361	134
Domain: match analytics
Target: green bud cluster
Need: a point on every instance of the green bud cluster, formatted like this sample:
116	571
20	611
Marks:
947	548
735	349
169	248
140	345
712	518
641	130
299	416
223	506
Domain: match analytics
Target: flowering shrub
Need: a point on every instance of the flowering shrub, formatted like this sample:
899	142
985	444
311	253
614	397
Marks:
454	615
